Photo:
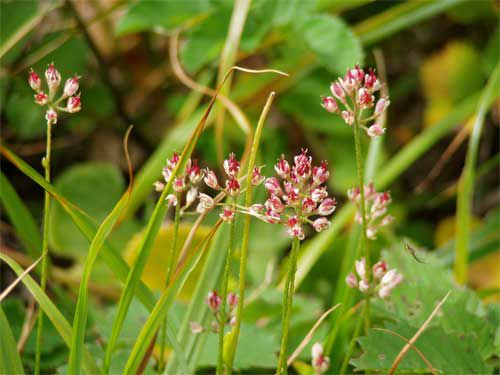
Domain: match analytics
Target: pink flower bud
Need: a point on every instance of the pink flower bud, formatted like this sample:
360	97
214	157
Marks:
282	168
353	194
256	209
34	80
231	165
41	98
211	179
360	266
351	280
227	215
51	116
74	104
232	300
357	74
381	106
371	81
327	207
191	196
308	205
320	173
338	91
274	204
319	193
296	231
375	130
213	301
53	78
159	186
348	117
321	224
71	86
171	200
194	171
320	362
365	99
392	278
379	269
195	327
206	203
172	162
329	104
303	159
232	186
371	232
364	286
272	185
257	177
179	184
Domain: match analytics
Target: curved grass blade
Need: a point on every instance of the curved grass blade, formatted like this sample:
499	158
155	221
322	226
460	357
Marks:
81	312
164	303
55	316
25	225
109	255
10	362
466	182
154	224
7	290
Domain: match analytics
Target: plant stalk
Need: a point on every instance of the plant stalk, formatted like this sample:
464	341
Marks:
45	244
225	281
287	307
359	323
170	268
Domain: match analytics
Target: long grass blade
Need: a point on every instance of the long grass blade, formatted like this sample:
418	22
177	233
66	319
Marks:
10	361
466	183
55	316
12	285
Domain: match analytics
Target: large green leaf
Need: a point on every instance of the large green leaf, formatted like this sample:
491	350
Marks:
10	362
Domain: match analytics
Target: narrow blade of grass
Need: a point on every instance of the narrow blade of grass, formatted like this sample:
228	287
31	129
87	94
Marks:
12	285
55	316
25	225
466	182
10	361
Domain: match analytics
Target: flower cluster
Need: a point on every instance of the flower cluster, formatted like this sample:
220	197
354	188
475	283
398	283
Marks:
299	196
376	205
319	362
53	80
354	94
384	280
214	302
186	181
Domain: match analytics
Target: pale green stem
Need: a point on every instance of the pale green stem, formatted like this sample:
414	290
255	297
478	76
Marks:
170	269
224	287
287	307
353	340
45	245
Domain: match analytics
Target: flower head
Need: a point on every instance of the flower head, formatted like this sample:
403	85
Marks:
53	78
231	165
213	301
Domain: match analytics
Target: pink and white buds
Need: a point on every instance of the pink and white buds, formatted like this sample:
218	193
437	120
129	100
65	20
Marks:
227	215
205	203
213	301
172	162
381	106
272	185
338	91
372	83
320	362
375	130
171	200
193	171
34	81
211	179
360	266
195	327
329	103
365	99
231	165
389	281
257	177
282	168
41	98
51	116
319	193
327	207
53	79
71	86
308	205
74	104
348	117
364	286
274	204
351	280
232	300
379	269
232	186
159	186
321	224
179	184
320	173
191	196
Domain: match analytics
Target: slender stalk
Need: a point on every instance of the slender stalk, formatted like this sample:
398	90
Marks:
361	181
170	268
353	340
223	312
287	306
45	245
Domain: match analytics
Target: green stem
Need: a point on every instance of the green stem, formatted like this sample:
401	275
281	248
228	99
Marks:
170	269
287	307
45	245
361	181
354	336
225	282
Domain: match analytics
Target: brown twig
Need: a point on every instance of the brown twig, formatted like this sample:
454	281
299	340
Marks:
6	292
29	322
417	350
407	347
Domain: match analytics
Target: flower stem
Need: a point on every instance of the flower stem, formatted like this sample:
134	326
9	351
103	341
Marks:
359	323
361	181
170	269
223	312
45	245
287	307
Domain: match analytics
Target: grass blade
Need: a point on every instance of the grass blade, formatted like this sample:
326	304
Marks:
6	292
10	361
55	316
466	182
163	305
26	227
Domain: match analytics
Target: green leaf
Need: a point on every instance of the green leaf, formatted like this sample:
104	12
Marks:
55	316
25	225
10	362
93	187
167	14
332	41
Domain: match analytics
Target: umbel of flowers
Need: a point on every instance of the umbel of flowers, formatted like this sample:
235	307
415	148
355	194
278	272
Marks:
48	97
353	98
376	205
297	196
384	279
